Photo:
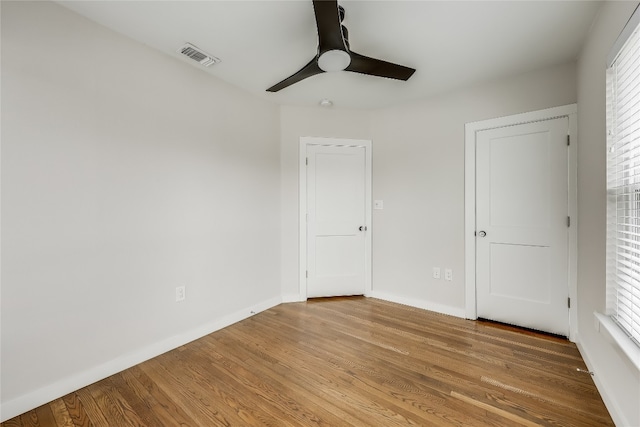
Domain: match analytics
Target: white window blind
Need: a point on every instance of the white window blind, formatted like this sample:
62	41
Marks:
623	182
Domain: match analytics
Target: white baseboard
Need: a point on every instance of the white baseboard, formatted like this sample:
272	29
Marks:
604	389
293	298
425	305
46	394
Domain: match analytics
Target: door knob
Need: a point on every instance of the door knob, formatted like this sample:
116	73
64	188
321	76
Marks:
482	233
362	227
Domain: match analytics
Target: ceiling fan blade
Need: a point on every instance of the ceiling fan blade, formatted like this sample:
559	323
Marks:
377	67
329	26
311	69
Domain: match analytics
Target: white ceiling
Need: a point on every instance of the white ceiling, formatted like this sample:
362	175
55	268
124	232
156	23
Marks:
451	44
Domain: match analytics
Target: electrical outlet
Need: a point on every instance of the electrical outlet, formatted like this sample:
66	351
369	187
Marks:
436	272
181	293
448	274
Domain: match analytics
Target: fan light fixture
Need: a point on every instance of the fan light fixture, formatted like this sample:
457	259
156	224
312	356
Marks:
334	60
326	103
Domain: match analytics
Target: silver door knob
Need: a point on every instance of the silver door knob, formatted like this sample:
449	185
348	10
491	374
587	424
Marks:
482	233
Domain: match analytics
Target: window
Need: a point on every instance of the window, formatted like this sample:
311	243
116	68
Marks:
623	181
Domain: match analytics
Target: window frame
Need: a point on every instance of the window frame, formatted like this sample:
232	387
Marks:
626	336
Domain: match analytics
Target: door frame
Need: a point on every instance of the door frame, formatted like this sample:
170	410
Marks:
471	130
302	202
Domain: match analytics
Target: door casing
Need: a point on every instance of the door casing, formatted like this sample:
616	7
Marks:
302	200
471	129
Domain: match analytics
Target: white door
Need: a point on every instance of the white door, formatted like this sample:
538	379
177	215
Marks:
336	225
521	225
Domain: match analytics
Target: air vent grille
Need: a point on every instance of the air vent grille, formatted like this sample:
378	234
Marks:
198	55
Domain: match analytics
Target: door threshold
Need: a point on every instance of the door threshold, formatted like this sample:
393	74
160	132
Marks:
520	329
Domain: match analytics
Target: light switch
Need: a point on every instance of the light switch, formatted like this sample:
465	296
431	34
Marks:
378	204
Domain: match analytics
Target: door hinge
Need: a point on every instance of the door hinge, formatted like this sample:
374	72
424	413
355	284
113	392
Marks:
568	221
568	140
306	161
307	274
569	302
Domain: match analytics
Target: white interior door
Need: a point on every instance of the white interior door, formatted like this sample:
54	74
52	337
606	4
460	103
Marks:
336	226
521	225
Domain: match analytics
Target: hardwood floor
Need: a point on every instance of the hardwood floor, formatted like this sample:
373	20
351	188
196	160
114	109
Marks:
340	362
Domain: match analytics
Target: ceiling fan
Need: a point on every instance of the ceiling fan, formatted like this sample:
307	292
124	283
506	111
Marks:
334	53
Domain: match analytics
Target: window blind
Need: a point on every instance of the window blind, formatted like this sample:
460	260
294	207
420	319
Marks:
623	183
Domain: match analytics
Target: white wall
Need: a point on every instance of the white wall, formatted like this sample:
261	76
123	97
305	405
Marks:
418	170
294	123
617	380
125	173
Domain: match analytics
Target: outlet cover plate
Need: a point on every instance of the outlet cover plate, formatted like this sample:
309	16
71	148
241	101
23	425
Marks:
180	293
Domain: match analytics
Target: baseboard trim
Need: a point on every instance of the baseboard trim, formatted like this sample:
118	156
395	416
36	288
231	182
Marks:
293	298
425	305
46	394
616	413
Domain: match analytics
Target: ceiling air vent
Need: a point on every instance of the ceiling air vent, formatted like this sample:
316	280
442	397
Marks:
198	55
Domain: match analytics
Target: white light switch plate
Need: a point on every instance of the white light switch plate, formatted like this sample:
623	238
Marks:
378	204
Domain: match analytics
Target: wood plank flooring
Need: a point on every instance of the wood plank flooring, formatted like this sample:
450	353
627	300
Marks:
345	362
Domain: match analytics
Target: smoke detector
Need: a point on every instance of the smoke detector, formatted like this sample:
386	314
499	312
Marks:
198	55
